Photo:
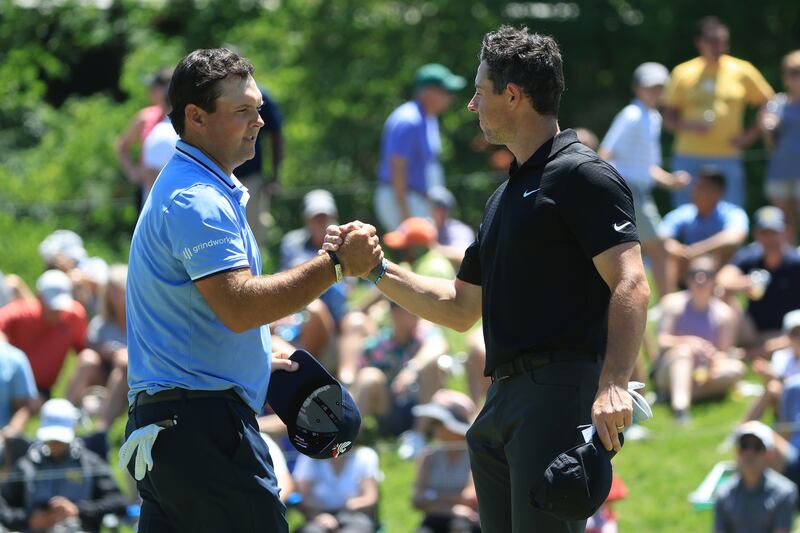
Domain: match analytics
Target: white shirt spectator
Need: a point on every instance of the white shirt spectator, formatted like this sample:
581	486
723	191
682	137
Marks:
158	147
331	490
634	141
785	363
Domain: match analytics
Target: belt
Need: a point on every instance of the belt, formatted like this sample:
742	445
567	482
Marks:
531	361
171	395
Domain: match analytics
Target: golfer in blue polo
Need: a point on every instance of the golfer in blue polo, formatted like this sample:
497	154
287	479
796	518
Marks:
198	313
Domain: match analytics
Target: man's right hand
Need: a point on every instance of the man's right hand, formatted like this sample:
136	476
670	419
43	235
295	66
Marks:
42	519
360	251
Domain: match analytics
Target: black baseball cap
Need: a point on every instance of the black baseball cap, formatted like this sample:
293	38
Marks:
577	482
321	417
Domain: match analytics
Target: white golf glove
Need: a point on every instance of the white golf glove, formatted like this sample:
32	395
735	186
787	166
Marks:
141	443
641	409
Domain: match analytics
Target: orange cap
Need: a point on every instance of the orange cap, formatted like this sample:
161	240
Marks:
413	231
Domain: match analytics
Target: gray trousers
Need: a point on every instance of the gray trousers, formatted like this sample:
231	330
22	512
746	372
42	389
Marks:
528	419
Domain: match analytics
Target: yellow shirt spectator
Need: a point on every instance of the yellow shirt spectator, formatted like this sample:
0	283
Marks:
717	95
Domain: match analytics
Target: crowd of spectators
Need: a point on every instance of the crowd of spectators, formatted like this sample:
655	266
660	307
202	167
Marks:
720	307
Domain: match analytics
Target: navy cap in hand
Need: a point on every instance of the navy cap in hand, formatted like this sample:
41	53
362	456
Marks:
321	417
577	482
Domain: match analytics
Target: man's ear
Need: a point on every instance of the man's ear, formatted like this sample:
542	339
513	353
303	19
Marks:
194	117
514	95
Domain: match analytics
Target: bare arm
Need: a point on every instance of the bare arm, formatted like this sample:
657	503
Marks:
243	301
452	303
23	409
125	143
673	122
622	270
398	177
717	242
731	278
367	497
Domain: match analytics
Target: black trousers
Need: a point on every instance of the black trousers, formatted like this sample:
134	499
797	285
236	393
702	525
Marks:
527	420
212	471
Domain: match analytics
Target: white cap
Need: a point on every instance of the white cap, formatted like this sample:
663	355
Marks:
319	202
64	242
650	74
55	289
453	409
94	269
757	429
58	419
791	320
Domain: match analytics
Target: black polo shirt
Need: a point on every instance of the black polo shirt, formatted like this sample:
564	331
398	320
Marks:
534	249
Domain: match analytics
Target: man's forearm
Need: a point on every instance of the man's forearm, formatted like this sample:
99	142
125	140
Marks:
715	243
627	317
433	299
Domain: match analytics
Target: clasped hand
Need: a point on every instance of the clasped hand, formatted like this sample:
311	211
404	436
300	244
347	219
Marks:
357	246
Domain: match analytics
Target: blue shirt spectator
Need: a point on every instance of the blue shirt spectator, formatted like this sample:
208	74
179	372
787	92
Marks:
192	226
16	382
410	134
687	226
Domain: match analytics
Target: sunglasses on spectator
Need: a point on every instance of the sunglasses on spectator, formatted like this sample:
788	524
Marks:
752	444
792	72
701	276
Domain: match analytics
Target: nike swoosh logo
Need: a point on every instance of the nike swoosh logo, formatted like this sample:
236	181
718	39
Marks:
528	193
620	227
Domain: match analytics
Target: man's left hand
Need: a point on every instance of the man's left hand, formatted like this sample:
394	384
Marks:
63	508
611	413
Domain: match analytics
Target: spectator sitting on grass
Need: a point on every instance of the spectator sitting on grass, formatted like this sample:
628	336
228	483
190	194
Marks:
770	296
785	364
707	225
46	328
696	333
452	236
444	490
757	499
399	370
339	494
59	482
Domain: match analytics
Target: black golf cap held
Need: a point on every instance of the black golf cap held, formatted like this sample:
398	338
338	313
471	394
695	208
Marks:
321	417
577	482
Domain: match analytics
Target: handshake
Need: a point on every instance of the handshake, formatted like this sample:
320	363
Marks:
357	246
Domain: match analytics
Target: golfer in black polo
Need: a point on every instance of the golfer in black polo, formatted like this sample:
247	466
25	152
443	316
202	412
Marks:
556	273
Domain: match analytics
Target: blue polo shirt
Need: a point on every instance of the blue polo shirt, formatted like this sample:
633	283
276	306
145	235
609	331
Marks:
410	134
685	225
193	225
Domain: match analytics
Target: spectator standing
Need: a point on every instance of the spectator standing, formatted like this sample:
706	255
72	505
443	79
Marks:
696	334
707	225
633	146
410	147
767	271
705	103
262	186
784	365
157	150
781	125
444	490
46	328
339	494
139	128
59	482
756	499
